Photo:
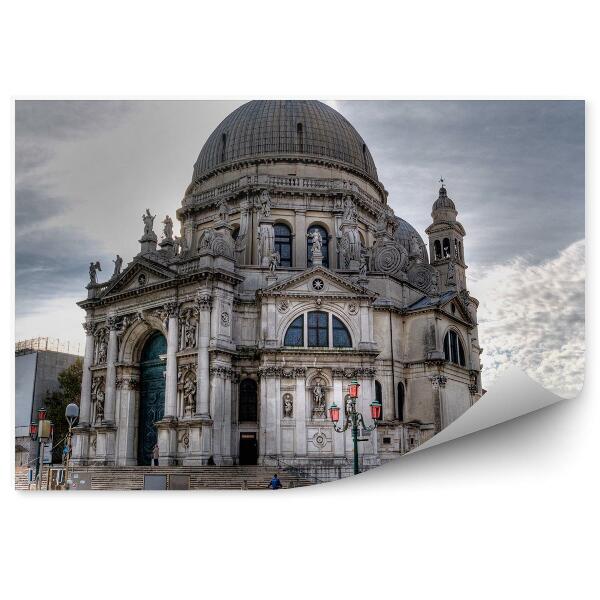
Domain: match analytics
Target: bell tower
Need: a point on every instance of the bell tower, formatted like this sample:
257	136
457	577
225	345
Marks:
446	243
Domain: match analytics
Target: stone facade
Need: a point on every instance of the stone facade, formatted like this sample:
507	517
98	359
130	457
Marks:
291	275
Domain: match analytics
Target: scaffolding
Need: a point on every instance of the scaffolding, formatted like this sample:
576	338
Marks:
46	344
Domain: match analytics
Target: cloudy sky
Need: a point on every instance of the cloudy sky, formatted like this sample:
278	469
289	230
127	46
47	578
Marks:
85	172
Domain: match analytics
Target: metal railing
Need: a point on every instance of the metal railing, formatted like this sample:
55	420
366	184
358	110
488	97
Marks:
46	344
294	470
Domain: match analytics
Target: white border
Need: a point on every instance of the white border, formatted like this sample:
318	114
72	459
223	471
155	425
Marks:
512	512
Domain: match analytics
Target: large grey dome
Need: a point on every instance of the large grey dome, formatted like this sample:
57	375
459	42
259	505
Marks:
280	129
404	233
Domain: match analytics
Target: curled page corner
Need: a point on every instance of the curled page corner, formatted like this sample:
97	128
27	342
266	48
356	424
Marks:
513	394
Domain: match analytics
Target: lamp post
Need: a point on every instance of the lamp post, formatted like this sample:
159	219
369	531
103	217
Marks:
71	414
40	432
354	419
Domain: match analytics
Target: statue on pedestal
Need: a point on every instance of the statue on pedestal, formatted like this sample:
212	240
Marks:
318	400
118	263
148	220
94	267
168	228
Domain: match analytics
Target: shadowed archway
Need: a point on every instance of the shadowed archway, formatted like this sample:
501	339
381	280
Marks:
152	395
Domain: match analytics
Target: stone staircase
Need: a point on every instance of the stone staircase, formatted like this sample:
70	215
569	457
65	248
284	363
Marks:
200	478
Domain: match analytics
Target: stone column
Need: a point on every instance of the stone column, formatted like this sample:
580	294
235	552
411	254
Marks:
338	398
300	239
171	371
217	384
227	456
111	373
300	411
126	453
86	380
202	371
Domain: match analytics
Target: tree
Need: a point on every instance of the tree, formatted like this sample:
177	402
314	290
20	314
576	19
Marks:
69	381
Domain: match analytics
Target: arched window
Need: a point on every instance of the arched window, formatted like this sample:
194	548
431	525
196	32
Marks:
318	329
446	248
453	348
294	336
248	410
400	413
460	251
341	337
437	249
236	232
324	249
379	398
283	244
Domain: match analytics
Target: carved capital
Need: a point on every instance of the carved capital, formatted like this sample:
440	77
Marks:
88	328
204	301
438	381
223	372
128	383
112	323
171	309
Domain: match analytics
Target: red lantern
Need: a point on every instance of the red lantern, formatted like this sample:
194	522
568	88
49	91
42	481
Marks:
42	412
353	389
334	412
375	410
33	428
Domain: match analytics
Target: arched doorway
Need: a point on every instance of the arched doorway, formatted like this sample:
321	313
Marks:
152	395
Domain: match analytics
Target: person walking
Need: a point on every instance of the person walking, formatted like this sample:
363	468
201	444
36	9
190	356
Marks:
275	483
155	455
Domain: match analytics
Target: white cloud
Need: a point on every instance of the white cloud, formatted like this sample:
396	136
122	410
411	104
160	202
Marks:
533	317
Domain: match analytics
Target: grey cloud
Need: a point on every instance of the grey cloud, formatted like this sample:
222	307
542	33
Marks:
48	119
515	169
532	316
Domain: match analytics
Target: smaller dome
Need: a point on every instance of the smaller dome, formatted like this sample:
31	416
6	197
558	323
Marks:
404	234
443	202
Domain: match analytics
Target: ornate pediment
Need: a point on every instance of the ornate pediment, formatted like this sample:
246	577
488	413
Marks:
317	281
139	274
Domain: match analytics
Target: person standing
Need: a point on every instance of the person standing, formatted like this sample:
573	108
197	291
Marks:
155	455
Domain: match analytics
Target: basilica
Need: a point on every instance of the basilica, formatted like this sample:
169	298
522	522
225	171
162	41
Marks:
284	276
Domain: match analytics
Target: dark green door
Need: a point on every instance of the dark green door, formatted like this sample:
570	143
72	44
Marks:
152	395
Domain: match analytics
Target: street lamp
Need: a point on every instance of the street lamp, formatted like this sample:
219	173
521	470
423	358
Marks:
40	432
354	418
71	414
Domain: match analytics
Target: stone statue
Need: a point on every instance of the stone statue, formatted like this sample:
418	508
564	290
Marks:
168	228
148	220
266	243
223	210
451	279
364	261
99	405
94	267
435	279
288	406
350	212
317	241
415	247
102	351
206	239
118	263
189	396
265	203
187	334
274	261
318	400
348	405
